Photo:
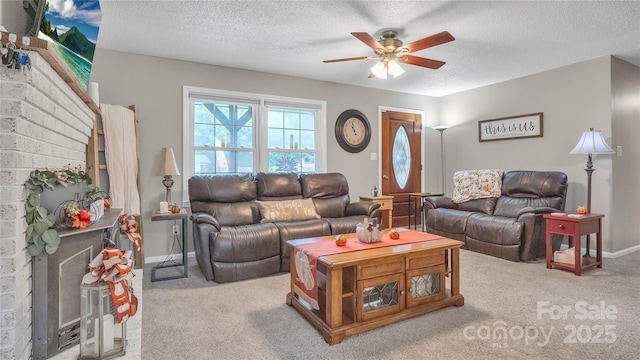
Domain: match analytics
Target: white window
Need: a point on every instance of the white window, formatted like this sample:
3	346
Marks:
228	132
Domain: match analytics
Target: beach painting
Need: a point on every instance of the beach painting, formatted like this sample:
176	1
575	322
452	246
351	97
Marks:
71	27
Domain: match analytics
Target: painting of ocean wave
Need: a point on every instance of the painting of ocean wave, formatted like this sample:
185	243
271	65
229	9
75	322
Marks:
71	28
79	66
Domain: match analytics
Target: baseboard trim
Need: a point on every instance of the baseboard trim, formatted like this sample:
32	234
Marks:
177	257
609	255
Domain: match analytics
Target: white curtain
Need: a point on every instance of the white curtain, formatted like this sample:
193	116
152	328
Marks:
120	151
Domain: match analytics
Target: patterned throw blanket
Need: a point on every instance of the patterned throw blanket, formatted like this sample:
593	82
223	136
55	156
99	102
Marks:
306	257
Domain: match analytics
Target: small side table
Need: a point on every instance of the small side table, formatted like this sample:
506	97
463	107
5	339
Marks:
574	227
386	204
182	215
412	198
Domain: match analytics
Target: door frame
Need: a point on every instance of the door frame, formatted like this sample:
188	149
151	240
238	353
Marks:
382	109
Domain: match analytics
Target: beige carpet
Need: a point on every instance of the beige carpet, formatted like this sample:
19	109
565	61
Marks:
195	319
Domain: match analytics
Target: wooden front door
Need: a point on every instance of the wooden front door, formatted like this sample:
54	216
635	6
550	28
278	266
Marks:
401	161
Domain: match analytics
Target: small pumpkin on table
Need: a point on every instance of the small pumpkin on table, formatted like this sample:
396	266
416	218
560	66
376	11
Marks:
394	234
341	240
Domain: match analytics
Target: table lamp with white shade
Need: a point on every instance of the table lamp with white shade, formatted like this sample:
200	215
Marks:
168	168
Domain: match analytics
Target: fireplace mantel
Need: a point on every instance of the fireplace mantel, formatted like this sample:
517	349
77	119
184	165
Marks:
56	285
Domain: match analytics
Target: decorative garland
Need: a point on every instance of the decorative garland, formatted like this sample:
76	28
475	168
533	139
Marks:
41	237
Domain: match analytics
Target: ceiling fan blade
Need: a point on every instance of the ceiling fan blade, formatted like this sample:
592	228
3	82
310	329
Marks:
368	39
346	59
433	40
420	61
371	76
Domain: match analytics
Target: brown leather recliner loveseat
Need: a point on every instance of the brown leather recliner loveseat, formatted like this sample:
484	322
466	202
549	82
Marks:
510	226
241	222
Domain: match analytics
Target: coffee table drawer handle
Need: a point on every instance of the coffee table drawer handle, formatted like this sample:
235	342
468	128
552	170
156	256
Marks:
561	227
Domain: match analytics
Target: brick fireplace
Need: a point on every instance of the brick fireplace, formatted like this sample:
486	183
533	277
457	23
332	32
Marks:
43	123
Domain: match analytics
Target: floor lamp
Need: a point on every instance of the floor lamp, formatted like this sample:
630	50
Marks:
441	128
591	142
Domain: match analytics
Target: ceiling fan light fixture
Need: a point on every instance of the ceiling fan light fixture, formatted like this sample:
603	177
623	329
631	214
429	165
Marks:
394	68
389	50
380	70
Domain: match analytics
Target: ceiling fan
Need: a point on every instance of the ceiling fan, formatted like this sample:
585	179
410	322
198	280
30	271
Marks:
390	51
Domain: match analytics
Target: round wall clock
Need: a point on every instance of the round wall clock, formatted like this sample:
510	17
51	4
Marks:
353	131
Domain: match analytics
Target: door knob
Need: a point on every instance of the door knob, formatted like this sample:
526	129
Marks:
385	177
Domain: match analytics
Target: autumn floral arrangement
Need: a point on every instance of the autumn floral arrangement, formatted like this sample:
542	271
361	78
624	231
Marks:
72	216
42	237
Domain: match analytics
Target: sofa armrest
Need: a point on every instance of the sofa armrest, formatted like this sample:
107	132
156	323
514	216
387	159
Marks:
533	242
536	210
204	218
362	208
434	202
205	227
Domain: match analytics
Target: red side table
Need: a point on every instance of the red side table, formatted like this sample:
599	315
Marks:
574	227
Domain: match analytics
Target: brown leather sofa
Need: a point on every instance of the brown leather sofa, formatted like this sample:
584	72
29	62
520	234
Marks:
233	240
510	226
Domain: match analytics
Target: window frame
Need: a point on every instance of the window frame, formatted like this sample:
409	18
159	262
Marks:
261	102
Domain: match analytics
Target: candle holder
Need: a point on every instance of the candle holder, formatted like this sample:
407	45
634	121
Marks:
101	336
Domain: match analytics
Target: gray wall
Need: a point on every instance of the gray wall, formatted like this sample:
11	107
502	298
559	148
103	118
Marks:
14	18
625	118
573	99
154	85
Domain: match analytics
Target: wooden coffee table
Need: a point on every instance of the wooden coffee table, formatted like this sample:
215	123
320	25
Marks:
366	289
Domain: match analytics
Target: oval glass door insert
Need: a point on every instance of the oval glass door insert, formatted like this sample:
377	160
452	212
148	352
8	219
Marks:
401	156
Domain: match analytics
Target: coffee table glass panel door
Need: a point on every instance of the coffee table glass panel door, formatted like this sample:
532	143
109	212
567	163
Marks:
425	285
380	296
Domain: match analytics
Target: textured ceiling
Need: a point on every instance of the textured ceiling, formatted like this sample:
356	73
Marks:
495	41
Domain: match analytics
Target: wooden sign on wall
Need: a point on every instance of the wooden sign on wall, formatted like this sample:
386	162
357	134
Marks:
512	127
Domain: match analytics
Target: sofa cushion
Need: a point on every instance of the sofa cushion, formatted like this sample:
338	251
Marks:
449	220
278	186
522	189
344	225
221	188
244	243
329	191
332	207
520	183
325	185
494	229
476	184
486	206
510	206
287	210
231	214
299	230
228	198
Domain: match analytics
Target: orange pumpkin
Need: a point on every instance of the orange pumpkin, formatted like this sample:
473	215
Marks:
341	240
582	210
